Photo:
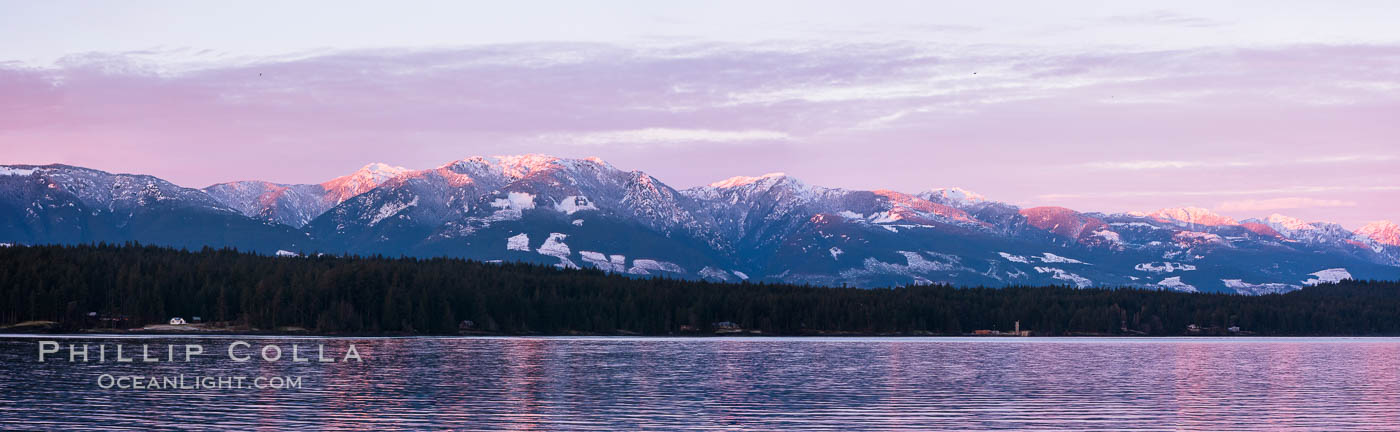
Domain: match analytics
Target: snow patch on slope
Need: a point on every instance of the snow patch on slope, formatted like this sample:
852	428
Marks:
1079	281
573	204
554	246
835	252
1014	258
1052	258
1175	283
646	266
1192	238
714	273
885	217
915	264
512	206
391	209
1108	236
518	242
515	201
1242	287
1332	275
1165	267
612	263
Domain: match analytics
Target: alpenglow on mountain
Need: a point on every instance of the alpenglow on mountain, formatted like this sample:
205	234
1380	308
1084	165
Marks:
585	213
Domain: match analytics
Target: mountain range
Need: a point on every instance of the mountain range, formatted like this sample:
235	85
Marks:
585	213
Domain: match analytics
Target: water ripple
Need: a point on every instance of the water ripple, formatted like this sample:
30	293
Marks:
737	384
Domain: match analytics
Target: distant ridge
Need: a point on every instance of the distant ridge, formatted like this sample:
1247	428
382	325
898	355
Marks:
586	213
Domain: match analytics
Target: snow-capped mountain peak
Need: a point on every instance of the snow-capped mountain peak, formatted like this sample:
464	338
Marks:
381	171
955	196
598	161
1191	216
521	166
1064	222
1384	232
1287	223
737	181
368	177
1309	232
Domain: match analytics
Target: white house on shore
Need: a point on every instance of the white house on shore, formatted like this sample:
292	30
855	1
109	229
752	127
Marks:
177	321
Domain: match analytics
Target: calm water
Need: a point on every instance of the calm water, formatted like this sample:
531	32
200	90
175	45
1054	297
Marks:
730	384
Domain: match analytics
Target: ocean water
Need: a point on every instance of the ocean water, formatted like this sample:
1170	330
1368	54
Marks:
604	383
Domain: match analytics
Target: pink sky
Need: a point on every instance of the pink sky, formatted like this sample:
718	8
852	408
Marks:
1247	129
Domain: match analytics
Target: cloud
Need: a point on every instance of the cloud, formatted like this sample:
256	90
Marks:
1014	121
1214	192
1162	164
1280	204
1140	165
1163	18
666	136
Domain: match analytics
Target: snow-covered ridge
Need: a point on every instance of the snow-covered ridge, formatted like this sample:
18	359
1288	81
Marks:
117	193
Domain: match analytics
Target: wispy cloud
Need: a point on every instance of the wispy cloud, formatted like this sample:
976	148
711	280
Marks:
1140	165
1281	204
1163	18
1116	127
666	136
1225	192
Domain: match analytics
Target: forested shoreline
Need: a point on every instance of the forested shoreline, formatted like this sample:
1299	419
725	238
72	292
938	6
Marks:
125	286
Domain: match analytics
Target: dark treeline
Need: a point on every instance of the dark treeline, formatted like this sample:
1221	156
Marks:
433	296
